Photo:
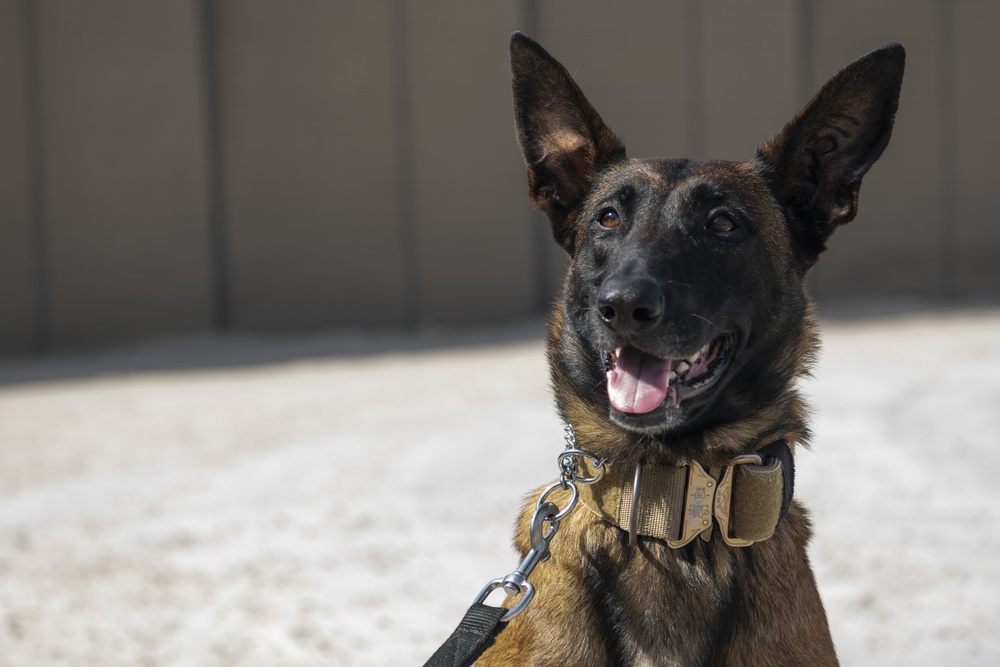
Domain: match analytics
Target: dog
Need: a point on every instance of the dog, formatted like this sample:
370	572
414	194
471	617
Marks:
682	328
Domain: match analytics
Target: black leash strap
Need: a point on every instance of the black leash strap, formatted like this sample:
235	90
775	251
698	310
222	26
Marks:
472	636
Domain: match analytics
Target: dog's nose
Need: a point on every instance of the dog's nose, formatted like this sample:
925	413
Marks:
629	305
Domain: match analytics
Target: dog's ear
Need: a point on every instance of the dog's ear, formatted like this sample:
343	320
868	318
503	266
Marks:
564	142
817	161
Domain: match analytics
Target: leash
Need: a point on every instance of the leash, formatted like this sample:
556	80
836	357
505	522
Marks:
482	623
693	503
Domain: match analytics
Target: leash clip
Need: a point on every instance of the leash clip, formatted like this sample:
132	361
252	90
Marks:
516	583
546	511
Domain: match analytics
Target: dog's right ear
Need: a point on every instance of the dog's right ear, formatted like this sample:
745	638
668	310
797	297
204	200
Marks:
564	142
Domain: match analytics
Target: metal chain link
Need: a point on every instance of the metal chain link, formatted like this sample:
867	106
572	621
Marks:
546	512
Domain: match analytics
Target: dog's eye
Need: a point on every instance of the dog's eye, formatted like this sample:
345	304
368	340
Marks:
609	219
721	224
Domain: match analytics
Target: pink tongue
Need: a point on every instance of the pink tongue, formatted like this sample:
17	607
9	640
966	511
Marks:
638	383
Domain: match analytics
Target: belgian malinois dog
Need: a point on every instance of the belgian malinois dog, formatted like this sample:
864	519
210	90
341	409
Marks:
681	330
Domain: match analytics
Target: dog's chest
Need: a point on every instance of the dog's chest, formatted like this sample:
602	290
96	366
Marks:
663	606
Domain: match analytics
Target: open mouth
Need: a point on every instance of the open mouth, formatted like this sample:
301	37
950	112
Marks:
639	383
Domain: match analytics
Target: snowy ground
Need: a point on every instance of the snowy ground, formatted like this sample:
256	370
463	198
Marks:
338	501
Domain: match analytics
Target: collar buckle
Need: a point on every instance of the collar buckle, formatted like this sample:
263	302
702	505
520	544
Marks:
698	505
707	498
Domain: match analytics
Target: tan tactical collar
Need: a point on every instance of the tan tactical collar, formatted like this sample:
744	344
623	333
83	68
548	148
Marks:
748	498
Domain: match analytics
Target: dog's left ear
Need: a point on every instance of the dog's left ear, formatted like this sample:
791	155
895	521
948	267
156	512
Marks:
817	161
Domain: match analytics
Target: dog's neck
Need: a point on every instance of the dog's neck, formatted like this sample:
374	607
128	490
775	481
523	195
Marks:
712	447
677	503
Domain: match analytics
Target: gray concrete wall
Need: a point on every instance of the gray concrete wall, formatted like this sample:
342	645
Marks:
120	210
256	165
308	138
895	246
18	274
973	133
472	239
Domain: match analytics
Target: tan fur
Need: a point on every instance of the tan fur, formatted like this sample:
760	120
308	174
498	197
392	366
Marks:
600	602
561	627
681	589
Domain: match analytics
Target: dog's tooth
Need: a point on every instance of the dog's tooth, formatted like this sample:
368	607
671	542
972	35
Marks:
696	357
682	367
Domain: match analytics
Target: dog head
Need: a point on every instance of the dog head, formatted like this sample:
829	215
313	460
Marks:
684	307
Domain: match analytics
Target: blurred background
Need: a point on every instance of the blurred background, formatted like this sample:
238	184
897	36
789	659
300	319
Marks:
252	165
243	417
